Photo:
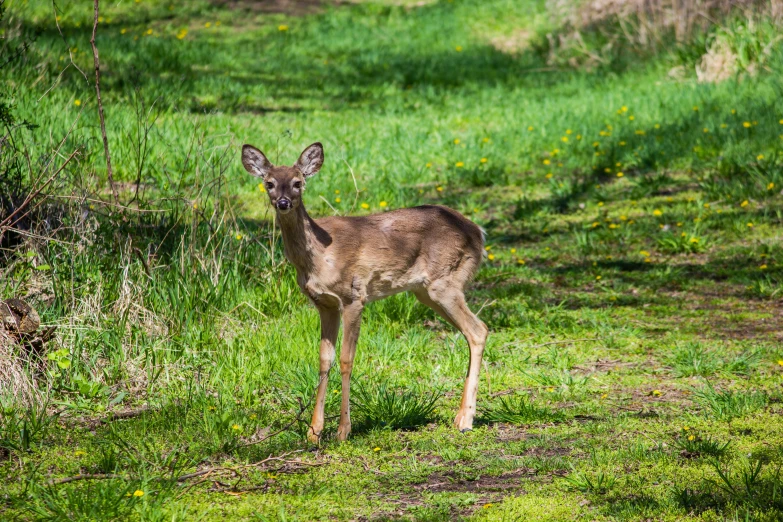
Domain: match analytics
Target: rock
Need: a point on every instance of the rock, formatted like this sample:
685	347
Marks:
18	317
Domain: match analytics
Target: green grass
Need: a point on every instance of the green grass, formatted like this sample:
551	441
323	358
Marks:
622	308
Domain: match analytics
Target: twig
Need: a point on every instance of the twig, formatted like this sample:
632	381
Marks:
302	408
330	205
37	191
97	63
91	476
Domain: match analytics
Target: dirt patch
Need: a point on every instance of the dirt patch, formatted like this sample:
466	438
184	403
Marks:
482	484
289	7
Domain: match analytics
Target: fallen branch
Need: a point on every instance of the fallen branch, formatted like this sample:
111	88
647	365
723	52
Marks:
97	63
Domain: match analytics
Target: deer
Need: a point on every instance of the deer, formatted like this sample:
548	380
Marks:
345	262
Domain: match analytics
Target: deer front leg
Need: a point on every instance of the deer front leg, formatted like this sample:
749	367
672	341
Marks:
352	318
330	324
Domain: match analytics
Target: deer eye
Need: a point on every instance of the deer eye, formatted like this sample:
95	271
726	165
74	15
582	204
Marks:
297	184
270	185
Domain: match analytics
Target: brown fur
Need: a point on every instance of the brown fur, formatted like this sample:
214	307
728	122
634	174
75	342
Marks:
344	262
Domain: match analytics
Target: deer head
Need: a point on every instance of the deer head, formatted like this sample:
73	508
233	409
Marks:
284	185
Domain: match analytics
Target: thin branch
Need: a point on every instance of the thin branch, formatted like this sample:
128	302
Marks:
90	476
97	63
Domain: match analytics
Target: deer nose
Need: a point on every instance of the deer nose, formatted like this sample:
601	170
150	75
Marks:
283	203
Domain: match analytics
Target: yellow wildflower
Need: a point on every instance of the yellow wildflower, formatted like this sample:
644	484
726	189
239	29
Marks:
746	124
491	257
657	212
547	162
428	165
763	267
138	493
456	141
750	225
282	28
77	102
513	250
483	160
520	261
548	175
365	206
691	437
744	203
376	449
656	393
620	174
459	164
382	204
337	200
458	48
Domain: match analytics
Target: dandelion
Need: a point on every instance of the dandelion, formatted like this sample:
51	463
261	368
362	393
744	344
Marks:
235	427
691	437
513	250
744	203
485	140
696	108
780	362
657	212
520	261
547	162
683	234
79	453
600	203
439	188
182	34
382	204
365	206
686	428
548	175
607	170
138	493
564	139
597	278
487	506
645	253
694	240
530	128
77	102
657	126
239	237
595	224
760	157
596	144
488	248
746	124
459	164
491	257
428	165
631	118
679	223
640	133
734	111
723	125
208	25
620	174
337	200
763	267
458	48
483	160
770	186
253	416
604	395
622	144
624	108
613	226
781	122
550	389
456	141
578	137
376	449
282	28
656	393
750	225
123	31
148	32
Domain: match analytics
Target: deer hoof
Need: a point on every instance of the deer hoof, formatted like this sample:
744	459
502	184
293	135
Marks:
465	430
342	434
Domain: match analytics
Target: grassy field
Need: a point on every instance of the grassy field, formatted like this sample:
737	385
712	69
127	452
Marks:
632	286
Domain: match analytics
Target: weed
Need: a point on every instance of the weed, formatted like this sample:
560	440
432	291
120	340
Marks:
600	482
388	407
728	404
519	409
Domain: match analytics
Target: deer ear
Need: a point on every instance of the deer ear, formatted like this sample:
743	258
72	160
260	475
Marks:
311	160
255	162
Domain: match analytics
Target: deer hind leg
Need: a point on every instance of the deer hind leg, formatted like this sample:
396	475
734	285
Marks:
352	318
330	324
450	303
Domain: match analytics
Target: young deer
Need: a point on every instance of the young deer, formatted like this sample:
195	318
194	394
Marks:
342	263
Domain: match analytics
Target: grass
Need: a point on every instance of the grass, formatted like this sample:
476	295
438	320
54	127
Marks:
626	294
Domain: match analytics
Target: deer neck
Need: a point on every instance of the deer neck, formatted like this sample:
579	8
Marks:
299	238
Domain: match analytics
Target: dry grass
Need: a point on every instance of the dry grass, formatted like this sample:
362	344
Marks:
15	383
